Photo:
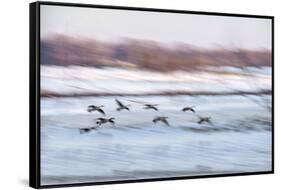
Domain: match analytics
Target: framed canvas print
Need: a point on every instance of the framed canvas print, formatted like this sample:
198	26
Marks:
125	94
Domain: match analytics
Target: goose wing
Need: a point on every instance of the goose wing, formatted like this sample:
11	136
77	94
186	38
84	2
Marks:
191	109
155	108
186	109
101	119
165	122
151	105
119	103
101	111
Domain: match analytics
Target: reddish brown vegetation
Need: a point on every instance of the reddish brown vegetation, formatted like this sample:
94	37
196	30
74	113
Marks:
64	50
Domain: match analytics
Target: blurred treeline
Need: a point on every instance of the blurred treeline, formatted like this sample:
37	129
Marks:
65	50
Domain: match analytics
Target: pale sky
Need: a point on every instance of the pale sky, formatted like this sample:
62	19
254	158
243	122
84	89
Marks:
200	30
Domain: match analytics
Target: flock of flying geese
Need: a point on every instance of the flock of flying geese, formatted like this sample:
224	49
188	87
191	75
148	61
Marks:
121	106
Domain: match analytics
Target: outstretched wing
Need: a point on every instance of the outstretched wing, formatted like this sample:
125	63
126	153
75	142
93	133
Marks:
119	103
111	121
100	119
155	108
101	111
189	109
166	122
186	109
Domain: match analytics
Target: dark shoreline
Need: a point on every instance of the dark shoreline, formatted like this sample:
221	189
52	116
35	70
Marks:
134	175
176	93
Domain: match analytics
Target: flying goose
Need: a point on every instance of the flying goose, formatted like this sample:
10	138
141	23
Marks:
121	106
102	120
151	106
162	119
188	109
204	119
86	130
96	108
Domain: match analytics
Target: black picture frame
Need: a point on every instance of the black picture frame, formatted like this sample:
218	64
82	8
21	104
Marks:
34	93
